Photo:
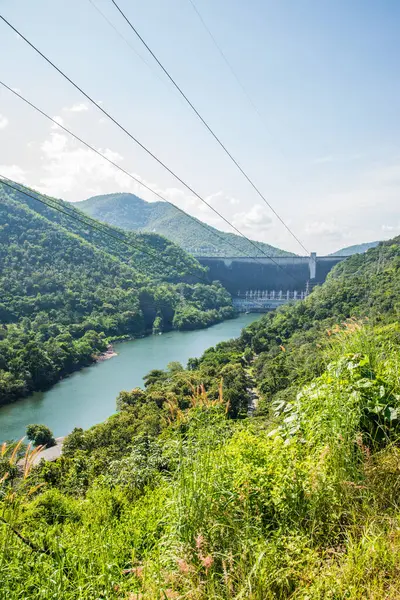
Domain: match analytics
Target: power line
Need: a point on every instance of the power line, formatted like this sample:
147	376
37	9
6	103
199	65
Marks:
114	164
224	57
208	126
240	84
144	61
132	137
129	134
103	231
89	222
206	227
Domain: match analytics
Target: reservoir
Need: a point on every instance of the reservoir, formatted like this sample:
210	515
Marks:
88	396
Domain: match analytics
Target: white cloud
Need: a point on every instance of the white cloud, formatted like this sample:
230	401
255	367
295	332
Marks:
365	209
66	169
59	120
13	172
391	228
71	170
222	198
3	121
326	229
256	220
79	107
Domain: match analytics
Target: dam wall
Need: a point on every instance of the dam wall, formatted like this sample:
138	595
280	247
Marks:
288	273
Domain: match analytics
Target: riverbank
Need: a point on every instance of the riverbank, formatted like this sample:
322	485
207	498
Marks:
87	396
109	353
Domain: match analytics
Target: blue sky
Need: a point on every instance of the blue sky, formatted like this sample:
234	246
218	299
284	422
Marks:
323	75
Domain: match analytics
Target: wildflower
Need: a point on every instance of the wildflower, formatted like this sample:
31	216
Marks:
199	541
183	566
355	485
137	571
170	594
207	562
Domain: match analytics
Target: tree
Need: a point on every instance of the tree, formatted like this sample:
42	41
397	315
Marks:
40	435
132	398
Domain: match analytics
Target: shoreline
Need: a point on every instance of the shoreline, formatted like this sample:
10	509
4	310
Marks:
109	353
13	419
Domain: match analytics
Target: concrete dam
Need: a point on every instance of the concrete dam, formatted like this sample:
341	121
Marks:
260	281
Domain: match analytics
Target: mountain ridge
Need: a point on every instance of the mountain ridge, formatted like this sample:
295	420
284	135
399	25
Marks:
355	249
132	213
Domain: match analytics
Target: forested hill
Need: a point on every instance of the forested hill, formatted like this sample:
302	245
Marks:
132	213
182	495
103	238
356	249
65	288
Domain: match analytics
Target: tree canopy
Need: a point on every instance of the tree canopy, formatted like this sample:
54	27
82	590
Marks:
66	290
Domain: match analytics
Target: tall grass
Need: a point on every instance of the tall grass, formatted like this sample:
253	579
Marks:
303	504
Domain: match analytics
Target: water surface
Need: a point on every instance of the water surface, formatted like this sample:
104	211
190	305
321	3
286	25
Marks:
88	396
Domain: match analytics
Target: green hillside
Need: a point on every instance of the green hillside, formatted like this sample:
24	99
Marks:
132	213
182	495
66	288
356	249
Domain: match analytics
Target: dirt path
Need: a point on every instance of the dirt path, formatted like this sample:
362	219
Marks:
252	391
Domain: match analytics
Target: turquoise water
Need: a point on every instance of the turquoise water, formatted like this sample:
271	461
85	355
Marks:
88	396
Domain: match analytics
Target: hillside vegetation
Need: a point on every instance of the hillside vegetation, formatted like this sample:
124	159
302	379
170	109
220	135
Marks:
181	495
66	289
356	249
132	213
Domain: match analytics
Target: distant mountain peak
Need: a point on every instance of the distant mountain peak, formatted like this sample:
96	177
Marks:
130	212
355	249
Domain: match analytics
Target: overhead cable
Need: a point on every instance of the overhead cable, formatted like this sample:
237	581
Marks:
224	57
87	221
92	223
133	138
116	165
253	185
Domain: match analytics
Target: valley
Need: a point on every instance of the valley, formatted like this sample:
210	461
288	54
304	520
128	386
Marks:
181	477
88	396
199	300
69	285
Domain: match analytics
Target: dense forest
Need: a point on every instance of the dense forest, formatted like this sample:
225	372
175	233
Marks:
132	213
67	289
268	468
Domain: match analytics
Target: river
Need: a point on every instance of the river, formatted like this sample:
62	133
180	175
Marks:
88	396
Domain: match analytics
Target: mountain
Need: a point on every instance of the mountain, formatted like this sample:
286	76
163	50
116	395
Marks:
66	288
132	213
181	494
356	249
